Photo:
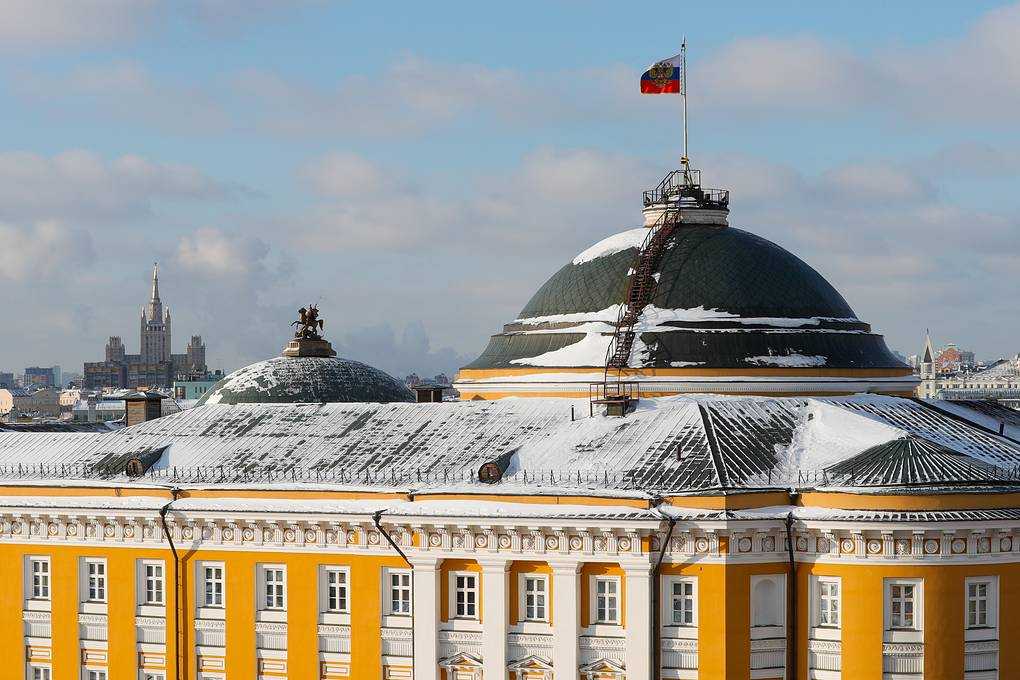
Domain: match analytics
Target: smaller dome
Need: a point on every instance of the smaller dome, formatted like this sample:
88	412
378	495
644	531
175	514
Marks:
304	379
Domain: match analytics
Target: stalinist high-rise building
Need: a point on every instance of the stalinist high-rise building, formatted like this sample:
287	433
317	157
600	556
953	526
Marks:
155	365
155	326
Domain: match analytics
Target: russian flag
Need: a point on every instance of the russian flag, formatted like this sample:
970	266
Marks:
663	77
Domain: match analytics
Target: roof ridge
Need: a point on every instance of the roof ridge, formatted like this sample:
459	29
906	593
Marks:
713	446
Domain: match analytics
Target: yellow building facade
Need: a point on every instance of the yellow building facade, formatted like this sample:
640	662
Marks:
500	597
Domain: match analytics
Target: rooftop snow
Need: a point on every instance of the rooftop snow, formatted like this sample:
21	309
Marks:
668	445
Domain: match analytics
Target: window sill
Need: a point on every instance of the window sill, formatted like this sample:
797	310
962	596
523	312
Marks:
271	615
38	605
152	610
91	607
397	621
216	613
335	618
603	630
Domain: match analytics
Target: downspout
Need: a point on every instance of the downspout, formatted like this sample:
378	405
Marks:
791	624
178	631
376	517
656	608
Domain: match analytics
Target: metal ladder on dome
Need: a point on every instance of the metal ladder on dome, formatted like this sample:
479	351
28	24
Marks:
642	284
641	289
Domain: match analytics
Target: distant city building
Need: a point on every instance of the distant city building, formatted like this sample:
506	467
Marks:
156	365
37	376
954	375
22	403
7	381
193	388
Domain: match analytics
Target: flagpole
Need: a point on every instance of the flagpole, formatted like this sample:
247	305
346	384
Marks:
683	92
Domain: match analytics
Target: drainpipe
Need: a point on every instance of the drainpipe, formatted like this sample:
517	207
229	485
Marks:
178	631
656	606
791	623
376	518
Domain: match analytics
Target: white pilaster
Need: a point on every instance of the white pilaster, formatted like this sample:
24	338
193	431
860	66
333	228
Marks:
494	622
638	655
426	617
566	618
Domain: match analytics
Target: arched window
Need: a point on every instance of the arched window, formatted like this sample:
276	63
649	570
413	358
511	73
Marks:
765	603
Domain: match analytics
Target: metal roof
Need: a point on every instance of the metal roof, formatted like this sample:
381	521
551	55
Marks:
669	445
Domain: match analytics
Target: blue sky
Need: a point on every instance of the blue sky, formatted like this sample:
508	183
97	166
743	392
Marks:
420	169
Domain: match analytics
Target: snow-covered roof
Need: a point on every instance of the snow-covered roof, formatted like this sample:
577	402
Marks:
668	445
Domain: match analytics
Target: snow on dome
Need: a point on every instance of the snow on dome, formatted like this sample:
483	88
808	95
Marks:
632	238
307	380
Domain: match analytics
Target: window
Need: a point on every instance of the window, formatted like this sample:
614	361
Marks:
152	676
39	673
153	578
768	601
212	577
95	574
534	598
607	603
902	601
400	592
981	603
682	601
827	594
274	581
466	596
336	590
95	675
39	567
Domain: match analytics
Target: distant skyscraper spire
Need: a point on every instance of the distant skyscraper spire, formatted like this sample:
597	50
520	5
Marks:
155	304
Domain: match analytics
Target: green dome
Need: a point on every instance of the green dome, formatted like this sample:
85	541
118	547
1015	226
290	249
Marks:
724	298
726	269
287	380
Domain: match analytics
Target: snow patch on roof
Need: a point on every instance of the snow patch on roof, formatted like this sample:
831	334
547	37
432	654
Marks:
588	351
632	238
788	360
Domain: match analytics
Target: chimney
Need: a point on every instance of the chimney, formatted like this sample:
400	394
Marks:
141	407
426	393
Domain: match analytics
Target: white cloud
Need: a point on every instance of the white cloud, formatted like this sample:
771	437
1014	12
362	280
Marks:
344	174
82	186
215	253
64	23
42	250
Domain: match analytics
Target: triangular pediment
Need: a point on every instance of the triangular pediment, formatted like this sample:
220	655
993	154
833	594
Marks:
461	660
530	663
603	666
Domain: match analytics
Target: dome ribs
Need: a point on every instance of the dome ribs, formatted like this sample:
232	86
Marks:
640	289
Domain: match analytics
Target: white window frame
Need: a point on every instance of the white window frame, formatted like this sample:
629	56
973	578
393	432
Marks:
341	614
151	675
471	609
94	674
204	610
989	631
822	594
92	582
144	580
38	597
615	596
45	672
522	588
902	633
272	576
669	599
390	587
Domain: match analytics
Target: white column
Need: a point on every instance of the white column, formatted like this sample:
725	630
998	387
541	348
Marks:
566	614
638	635
495	619
426	617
